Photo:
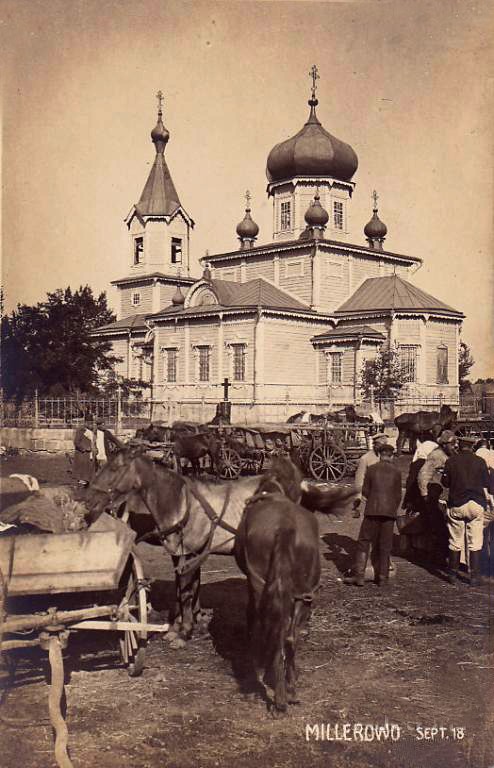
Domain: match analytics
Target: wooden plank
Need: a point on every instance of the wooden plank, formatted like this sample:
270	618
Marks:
67	562
120	626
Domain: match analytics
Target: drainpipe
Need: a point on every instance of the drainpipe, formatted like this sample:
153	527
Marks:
254	359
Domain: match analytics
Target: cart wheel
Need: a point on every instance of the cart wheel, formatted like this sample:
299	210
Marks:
133	607
328	462
230	463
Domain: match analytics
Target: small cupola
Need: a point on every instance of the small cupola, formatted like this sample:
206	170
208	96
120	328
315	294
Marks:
316	218
247	230
178	298
375	230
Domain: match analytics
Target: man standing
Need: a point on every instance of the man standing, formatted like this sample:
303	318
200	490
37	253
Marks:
366	461
467	478
84	453
430	486
382	489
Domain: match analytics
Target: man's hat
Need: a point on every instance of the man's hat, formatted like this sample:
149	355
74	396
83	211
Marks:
468	440
381	437
446	437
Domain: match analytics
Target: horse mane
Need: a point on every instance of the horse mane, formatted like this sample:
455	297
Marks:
168	485
285	473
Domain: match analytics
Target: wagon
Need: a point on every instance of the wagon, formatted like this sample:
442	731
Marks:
480	426
96	570
331	451
249	449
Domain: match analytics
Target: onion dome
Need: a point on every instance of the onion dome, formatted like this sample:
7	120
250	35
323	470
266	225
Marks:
375	230
316	215
312	152
178	298
159	134
247	230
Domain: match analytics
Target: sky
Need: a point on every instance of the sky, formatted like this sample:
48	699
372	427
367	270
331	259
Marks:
408	84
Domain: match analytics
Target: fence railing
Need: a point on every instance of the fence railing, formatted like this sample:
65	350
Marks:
121	414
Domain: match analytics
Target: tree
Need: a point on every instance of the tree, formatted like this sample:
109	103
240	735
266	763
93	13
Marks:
49	346
465	362
383	377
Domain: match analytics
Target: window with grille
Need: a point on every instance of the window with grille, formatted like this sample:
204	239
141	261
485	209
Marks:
442	365
408	363
204	358
171	365
338	214
286	216
176	250
138	250
239	362
136	299
336	366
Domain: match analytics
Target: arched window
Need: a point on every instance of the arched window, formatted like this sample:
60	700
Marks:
442	365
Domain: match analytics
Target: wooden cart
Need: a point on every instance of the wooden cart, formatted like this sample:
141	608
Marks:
101	572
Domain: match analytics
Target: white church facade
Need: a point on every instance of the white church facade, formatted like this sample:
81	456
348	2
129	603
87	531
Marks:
290	322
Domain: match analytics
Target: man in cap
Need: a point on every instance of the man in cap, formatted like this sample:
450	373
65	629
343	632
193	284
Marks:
366	461
382	489
467	478
431	489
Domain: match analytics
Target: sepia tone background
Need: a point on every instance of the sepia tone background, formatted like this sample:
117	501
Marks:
408	85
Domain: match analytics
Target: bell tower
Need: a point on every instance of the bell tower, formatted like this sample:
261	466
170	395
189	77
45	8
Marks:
159	226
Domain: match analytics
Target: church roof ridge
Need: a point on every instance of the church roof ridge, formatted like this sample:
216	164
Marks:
392	293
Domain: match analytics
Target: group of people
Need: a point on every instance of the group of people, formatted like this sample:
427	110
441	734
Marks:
450	488
93	444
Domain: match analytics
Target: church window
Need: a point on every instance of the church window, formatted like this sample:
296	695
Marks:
238	362
338	214
171	365
138	250
176	250
286	216
409	362
336	359
136	299
204	359
442	365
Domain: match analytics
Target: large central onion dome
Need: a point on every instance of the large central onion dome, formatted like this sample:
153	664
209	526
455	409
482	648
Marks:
312	152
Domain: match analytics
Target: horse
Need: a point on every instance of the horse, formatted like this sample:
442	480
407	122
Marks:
195	447
277	548
302	417
411	425
191	518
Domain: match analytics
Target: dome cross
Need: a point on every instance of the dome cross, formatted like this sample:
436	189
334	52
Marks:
375	197
248	198
160	98
314	74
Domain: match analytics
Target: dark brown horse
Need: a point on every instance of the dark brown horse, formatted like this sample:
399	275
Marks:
277	547
412	425
192	518
195	447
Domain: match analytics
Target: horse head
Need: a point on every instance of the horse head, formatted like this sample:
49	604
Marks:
283	474
113	482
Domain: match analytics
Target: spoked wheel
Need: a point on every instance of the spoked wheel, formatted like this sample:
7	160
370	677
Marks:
328	463
133	607
254	463
230	463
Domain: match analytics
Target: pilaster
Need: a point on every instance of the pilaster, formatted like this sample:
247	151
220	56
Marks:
221	350
423	351
187	354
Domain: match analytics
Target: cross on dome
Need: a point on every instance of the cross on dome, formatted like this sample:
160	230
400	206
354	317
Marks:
160	98
248	198
375	197
314	74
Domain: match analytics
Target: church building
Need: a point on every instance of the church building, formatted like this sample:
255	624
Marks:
289	322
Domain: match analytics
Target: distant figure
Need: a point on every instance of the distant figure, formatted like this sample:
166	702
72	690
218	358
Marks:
413	501
84	453
105	444
366	461
467	478
482	449
382	489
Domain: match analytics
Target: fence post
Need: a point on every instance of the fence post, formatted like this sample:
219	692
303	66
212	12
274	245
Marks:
36	409
119	410
441	400
203	403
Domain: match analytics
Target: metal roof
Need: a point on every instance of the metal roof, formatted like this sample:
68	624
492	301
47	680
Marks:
159	196
131	322
392	293
356	331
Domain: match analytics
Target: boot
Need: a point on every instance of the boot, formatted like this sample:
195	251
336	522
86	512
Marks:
475	580
454	566
358	577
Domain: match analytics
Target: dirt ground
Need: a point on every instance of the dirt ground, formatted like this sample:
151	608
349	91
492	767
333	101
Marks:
417	656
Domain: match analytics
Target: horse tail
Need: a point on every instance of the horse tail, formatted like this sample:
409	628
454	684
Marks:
277	599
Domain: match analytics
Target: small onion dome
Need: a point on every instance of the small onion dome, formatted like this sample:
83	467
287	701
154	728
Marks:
206	275
316	215
312	152
178	298
159	134
375	229
247	229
